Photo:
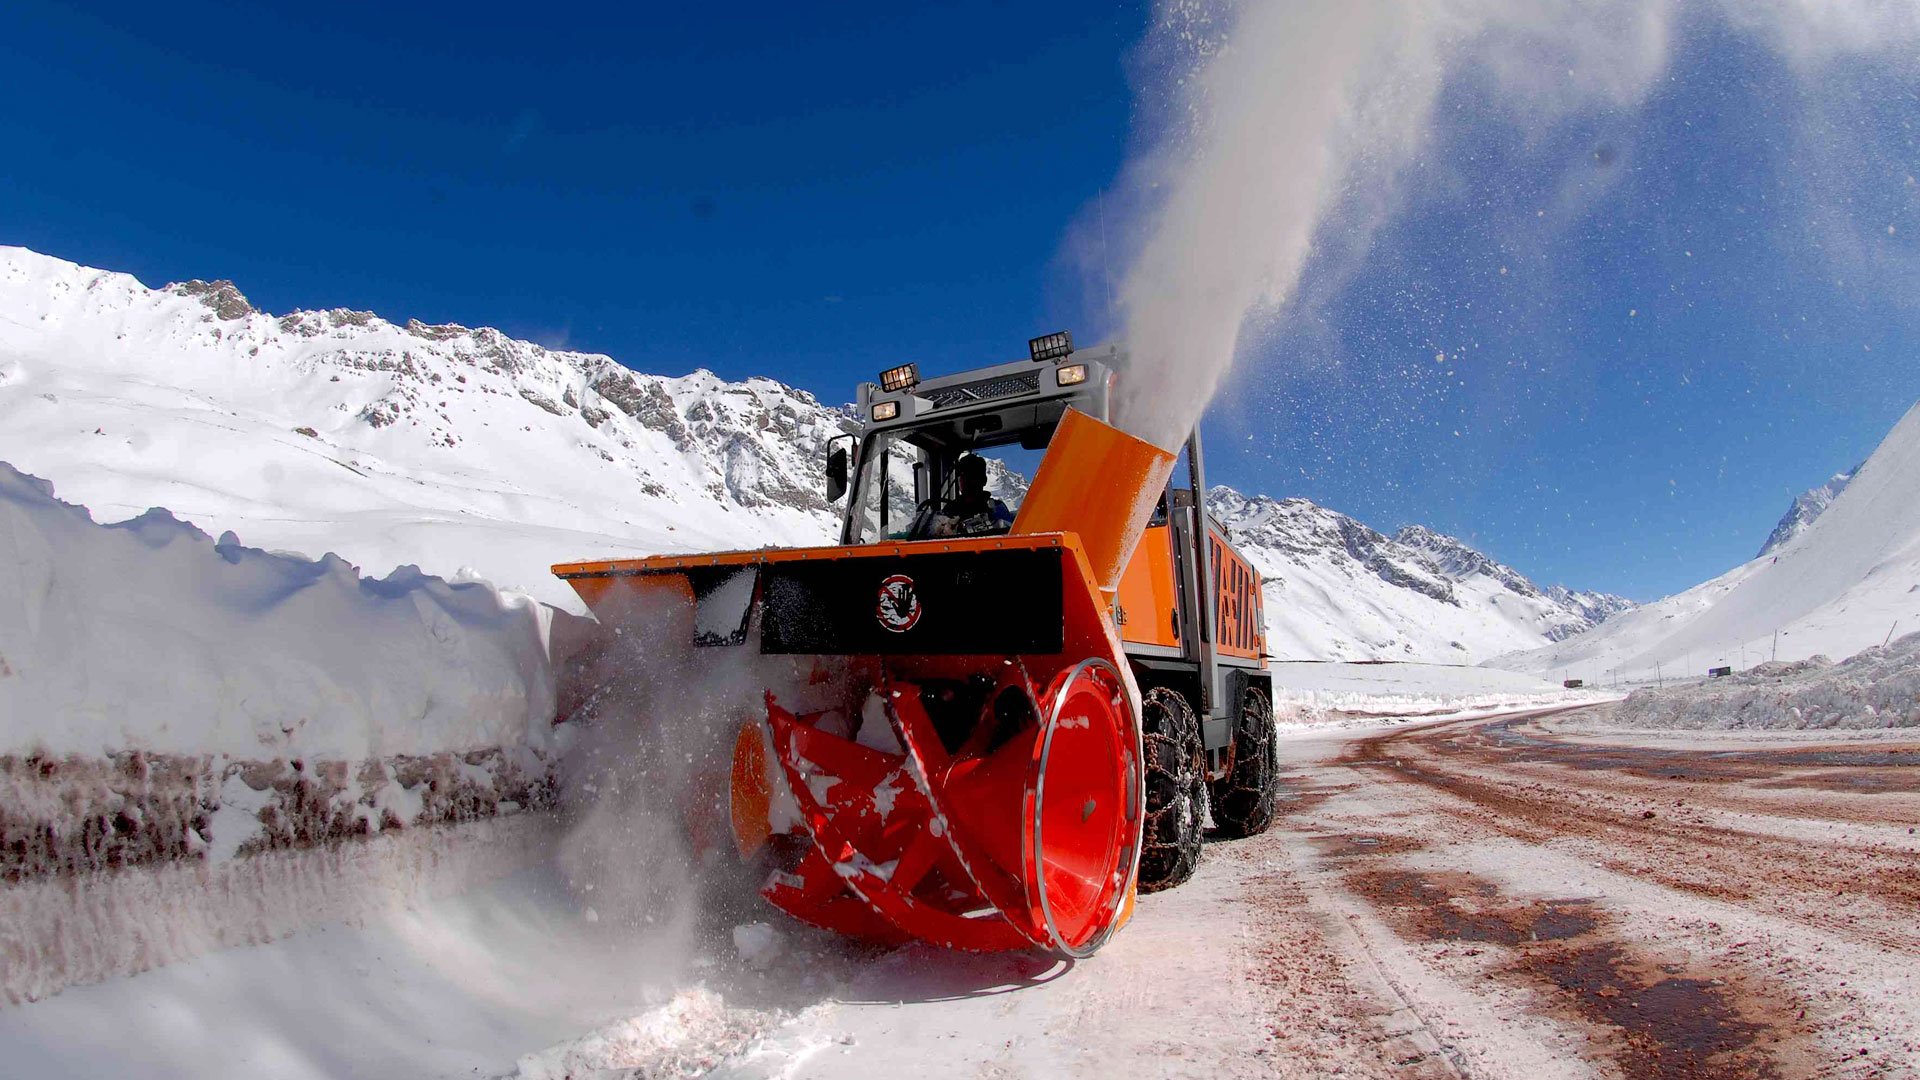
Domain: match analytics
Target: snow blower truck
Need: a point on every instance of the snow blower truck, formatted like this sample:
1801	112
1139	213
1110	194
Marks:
1027	720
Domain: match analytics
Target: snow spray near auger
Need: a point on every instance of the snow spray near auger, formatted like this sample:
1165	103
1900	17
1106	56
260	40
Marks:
963	754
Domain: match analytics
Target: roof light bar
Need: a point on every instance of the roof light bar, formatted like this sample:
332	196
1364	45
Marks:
899	378
1051	346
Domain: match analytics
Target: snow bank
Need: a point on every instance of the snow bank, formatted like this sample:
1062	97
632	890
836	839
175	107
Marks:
1307	695
195	736
1877	688
148	635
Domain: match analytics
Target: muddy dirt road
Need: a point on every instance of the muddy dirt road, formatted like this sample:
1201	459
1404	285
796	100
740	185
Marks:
1551	902
1502	897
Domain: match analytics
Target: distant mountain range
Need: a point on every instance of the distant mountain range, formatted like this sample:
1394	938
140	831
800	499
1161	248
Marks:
464	450
1338	590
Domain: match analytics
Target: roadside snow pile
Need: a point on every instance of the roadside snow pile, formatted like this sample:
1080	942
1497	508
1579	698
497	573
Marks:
167	696
1877	688
1311	695
150	635
204	744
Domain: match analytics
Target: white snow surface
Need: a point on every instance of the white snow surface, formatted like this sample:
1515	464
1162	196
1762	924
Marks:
1875	688
1846	582
150	635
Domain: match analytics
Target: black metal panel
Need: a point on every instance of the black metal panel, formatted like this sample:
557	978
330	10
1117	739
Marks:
956	603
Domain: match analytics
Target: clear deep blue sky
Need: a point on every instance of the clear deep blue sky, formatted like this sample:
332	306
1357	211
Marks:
1704	310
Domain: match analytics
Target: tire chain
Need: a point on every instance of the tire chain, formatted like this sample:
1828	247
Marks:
1170	738
1244	800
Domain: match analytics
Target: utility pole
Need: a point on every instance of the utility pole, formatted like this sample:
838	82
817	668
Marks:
1658	676
1890	630
1776	645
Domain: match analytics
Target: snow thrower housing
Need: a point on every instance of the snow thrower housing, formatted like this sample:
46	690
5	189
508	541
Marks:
1023	722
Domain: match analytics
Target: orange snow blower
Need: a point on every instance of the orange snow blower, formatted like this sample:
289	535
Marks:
970	760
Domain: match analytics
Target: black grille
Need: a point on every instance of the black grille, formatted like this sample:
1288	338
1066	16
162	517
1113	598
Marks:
986	389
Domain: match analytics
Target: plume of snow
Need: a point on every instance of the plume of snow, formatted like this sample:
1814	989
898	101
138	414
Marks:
1273	126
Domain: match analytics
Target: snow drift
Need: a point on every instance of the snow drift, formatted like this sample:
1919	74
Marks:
204	744
150	635
1876	688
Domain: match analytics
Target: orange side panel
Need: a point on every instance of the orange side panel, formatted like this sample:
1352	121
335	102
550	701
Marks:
1147	596
1237	608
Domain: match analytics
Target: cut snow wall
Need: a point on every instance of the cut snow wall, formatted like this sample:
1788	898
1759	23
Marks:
148	635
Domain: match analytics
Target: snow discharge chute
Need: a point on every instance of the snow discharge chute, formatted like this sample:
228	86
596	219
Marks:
962	763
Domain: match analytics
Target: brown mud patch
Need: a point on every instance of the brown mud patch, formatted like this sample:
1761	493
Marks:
1460	907
1363	845
1300	794
1651	1016
1866	782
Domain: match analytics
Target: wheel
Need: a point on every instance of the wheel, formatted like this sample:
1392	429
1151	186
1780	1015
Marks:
1176	788
1244	799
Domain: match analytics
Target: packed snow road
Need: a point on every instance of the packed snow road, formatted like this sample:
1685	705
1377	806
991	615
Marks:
1495	897
1523	895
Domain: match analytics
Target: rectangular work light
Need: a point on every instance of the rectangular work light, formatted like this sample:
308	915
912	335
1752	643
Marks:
899	378
1051	346
886	410
1070	374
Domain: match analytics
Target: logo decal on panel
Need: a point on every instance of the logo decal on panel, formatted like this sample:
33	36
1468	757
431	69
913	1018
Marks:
899	604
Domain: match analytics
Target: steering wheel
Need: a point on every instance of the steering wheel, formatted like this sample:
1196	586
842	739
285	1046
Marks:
923	516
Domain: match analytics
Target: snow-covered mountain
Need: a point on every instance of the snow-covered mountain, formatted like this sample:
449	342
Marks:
338	431
1806	507
1338	590
1846	576
453	448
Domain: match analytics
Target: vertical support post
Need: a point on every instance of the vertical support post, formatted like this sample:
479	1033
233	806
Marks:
1203	573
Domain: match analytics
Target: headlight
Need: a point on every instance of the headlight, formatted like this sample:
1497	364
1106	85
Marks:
886	410
1071	374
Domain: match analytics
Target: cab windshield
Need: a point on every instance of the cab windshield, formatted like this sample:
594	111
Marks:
911	488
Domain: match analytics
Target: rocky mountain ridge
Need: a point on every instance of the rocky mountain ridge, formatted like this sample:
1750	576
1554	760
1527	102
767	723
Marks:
1337	589
1806	508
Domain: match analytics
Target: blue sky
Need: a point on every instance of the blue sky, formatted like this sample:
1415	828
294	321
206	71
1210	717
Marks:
1703	310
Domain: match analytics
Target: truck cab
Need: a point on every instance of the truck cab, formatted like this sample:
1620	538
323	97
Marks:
900	467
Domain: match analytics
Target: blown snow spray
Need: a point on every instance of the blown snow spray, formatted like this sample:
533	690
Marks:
1275	131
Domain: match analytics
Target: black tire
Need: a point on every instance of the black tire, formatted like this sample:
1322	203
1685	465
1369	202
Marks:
1176	790
1244	800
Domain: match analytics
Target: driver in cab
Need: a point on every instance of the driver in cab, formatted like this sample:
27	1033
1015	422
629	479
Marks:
973	512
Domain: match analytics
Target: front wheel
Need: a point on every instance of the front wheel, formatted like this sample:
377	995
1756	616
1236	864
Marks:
1244	800
1176	788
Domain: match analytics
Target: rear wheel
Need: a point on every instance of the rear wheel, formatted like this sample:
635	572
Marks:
1176	786
1244	799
